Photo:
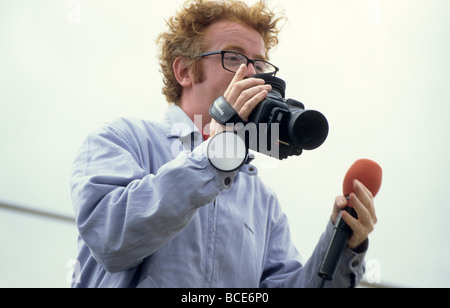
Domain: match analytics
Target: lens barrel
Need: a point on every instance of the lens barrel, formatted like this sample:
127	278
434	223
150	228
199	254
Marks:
308	129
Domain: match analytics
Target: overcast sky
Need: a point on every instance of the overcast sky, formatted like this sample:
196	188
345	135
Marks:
377	69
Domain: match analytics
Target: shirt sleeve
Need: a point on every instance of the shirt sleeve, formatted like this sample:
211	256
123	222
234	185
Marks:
124	214
283	268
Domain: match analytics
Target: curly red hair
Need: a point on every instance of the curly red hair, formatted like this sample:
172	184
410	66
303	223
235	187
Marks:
187	28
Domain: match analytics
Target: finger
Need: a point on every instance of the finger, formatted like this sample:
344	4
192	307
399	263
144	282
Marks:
238	95
251	104
362	190
351	221
366	198
360	232
364	216
239	84
240	74
248	95
339	204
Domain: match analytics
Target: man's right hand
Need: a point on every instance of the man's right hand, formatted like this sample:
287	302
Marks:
243	95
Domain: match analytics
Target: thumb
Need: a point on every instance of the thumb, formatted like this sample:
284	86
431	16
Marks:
339	204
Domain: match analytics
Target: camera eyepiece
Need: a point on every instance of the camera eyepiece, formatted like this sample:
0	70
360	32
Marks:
278	85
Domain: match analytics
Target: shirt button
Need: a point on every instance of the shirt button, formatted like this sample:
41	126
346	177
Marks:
355	263
227	181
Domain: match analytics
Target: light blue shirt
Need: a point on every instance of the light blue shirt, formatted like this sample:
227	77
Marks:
153	212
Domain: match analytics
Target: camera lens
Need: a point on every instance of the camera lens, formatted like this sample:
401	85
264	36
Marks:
308	129
300	129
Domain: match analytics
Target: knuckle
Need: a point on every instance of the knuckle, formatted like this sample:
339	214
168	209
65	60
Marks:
238	86
366	215
248	107
245	109
246	95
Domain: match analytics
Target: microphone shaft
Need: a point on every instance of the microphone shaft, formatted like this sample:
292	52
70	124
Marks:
339	240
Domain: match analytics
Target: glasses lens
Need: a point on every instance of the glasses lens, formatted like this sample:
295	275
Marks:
233	61
263	67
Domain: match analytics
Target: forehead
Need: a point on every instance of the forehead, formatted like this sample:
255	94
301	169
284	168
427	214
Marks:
227	33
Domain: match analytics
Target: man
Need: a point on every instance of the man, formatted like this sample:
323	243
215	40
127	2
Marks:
153	211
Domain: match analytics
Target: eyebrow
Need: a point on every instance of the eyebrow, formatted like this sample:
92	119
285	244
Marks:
237	48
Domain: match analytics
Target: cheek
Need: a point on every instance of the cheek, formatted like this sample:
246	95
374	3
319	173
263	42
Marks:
217	82
220	87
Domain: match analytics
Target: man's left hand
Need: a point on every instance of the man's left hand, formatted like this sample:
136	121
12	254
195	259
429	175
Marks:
362	201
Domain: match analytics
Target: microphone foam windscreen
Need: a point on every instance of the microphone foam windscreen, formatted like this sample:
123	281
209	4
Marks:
368	172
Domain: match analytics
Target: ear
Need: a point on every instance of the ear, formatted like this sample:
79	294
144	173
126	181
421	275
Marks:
182	72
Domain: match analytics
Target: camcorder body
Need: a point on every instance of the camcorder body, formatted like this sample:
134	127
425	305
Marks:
283	127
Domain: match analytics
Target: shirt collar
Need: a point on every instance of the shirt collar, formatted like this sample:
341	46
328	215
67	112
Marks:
178	124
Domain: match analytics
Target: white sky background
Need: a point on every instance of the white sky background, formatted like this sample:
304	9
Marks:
378	69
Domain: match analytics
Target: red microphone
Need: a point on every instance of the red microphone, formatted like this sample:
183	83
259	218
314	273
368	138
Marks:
369	173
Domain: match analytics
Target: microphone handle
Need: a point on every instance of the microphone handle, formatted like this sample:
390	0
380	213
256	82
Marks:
339	240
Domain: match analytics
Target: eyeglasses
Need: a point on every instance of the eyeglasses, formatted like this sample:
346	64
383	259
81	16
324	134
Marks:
232	61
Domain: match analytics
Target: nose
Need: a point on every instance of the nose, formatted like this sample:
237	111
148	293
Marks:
250	70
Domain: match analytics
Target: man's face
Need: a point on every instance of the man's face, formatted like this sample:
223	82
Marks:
224	35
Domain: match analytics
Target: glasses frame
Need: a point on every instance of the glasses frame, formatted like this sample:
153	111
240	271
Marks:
252	61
